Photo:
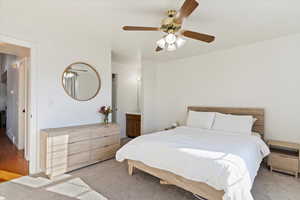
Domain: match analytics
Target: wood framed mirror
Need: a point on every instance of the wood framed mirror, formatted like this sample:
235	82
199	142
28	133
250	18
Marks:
81	81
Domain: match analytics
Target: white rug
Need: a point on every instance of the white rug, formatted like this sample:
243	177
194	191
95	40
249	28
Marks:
32	182
76	188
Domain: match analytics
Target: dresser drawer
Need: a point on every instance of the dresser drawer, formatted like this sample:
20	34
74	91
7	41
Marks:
78	158
58	154
104	153
57	140
57	148
56	162
133	117
78	147
105	141
102	134
77	136
283	162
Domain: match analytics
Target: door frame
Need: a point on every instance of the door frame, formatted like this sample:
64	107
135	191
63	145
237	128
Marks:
33	133
23	104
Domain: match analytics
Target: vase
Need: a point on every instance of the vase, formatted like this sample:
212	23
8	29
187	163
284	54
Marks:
105	120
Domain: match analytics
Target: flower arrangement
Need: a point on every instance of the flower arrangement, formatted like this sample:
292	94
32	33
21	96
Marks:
105	111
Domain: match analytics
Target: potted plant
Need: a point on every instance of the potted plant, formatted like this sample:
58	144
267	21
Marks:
105	111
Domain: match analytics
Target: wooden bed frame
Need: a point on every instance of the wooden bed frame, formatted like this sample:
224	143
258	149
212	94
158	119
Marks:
199	188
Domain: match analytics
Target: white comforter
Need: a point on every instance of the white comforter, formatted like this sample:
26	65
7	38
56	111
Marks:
222	160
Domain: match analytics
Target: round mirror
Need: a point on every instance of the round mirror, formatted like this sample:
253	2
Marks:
81	81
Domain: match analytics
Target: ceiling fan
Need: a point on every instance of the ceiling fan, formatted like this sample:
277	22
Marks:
172	26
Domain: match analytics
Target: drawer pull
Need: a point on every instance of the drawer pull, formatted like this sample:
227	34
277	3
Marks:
287	156
282	156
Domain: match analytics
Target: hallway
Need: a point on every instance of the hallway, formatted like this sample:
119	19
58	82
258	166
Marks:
11	159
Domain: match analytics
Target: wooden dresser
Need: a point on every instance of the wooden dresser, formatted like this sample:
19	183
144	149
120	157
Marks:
133	125
70	148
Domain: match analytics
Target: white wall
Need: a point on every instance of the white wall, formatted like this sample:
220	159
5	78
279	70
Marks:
127	90
149	97
264	74
60	39
56	108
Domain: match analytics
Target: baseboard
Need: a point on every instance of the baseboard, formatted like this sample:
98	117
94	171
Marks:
10	136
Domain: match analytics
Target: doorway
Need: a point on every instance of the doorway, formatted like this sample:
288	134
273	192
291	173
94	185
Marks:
14	64
114	98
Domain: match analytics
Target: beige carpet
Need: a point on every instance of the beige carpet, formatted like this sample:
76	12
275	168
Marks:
111	180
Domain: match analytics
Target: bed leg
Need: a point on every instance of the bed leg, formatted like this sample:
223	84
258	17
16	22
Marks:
130	168
162	182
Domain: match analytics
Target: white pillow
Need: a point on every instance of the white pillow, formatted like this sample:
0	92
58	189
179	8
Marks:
203	120
256	134
239	124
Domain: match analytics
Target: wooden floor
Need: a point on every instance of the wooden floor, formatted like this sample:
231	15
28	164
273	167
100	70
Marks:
7	176
11	159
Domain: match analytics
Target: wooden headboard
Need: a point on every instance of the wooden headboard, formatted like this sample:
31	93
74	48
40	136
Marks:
258	113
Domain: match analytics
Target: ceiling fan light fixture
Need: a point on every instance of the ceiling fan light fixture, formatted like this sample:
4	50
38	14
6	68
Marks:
180	42
161	43
172	26
171	47
170	38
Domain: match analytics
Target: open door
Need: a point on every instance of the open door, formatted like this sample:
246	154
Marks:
22	107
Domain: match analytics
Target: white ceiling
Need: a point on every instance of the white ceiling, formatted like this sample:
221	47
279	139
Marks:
233	22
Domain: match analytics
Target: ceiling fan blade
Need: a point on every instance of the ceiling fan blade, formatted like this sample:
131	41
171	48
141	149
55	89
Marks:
140	28
158	49
186	10
198	36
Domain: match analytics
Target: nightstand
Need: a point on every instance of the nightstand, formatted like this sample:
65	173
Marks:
284	157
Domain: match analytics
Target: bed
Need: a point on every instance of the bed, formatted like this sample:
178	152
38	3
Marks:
211	164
